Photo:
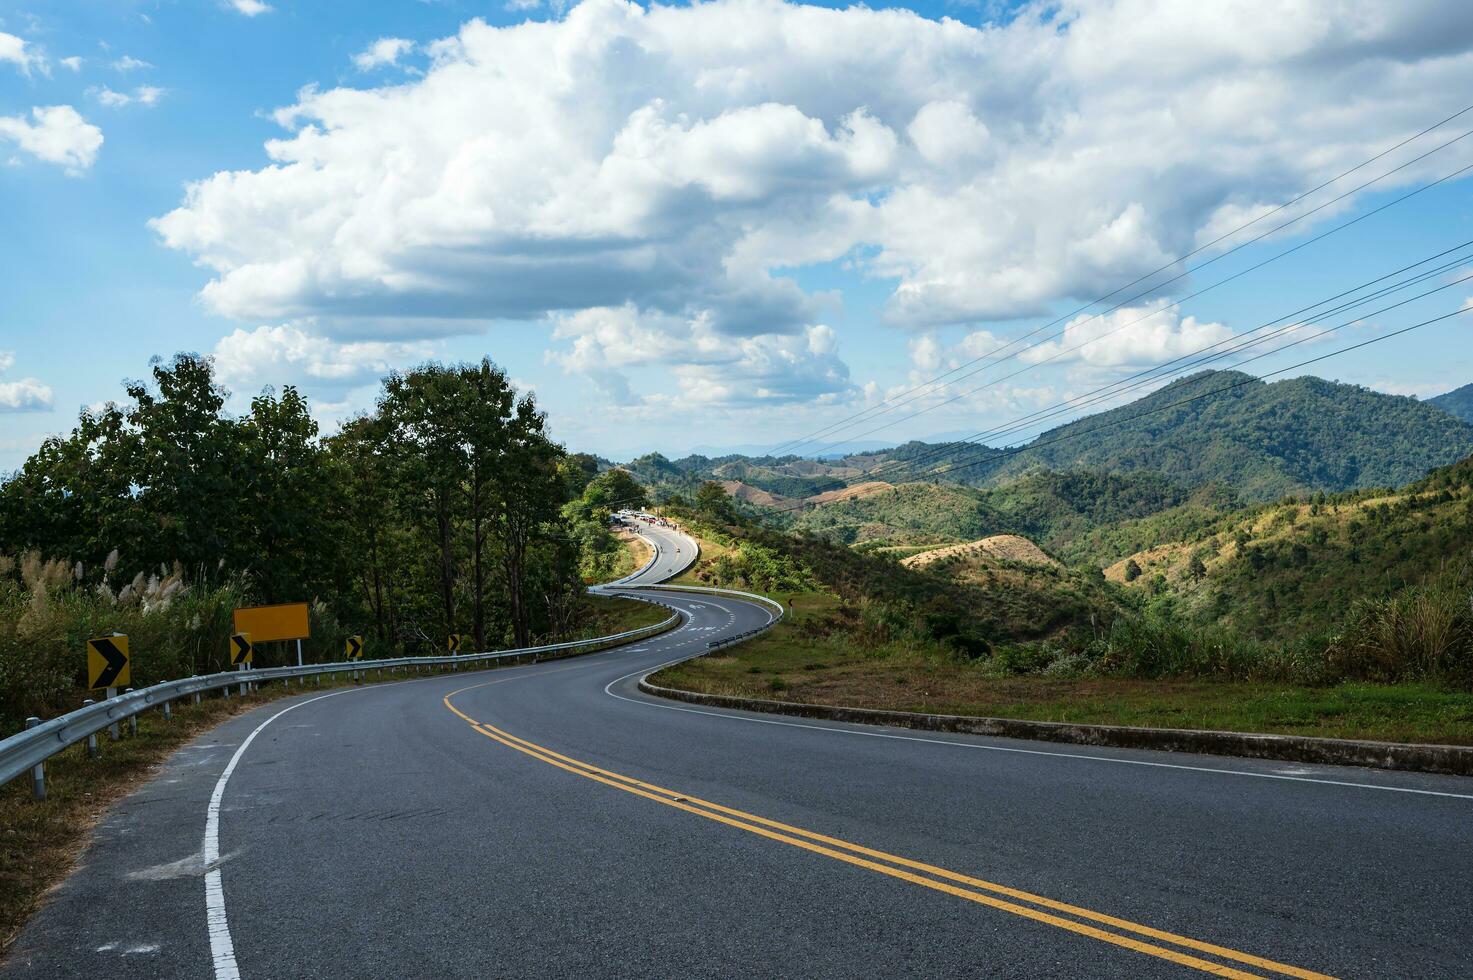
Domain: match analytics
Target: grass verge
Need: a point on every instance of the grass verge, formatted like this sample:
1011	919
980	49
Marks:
804	659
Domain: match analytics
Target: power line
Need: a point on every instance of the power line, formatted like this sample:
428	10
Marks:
1251	339
856	417
1017	425
1238	275
1007	453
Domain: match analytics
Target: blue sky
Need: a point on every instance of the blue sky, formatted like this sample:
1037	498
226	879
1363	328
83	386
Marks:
717	226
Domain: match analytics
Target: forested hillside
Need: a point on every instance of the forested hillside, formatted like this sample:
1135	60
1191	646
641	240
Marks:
1243	438
1067	513
1281	570
1458	402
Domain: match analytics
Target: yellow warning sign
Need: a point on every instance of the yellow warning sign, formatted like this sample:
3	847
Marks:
241	650
107	662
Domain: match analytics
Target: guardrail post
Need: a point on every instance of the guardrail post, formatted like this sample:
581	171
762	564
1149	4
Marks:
91	739
112	730
132	719
196	697
38	771
168	711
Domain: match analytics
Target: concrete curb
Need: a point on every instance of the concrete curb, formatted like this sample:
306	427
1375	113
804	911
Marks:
1455	760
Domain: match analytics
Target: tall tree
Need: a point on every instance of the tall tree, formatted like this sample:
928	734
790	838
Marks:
418	410
532	494
485	399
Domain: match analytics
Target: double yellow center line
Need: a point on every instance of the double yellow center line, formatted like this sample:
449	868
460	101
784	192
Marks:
1037	908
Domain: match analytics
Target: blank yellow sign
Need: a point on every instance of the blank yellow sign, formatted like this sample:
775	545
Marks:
287	621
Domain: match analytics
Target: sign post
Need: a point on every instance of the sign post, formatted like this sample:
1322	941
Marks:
109	668
241	653
270	624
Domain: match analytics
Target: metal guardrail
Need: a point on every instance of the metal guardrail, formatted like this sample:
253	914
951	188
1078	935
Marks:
727	641
41	740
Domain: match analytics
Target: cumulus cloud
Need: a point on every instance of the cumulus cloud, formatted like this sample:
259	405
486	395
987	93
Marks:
709	367
56	134
382	53
25	395
129	63
74	63
684	159
250	8
17	51
288	354
1129	336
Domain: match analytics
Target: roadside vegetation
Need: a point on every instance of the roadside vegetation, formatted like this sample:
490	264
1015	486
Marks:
974	634
446	509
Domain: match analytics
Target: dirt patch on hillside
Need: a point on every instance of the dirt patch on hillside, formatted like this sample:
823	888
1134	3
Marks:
754	495
844	493
1008	547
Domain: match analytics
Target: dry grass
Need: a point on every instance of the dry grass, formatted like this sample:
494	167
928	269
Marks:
1008	547
636	553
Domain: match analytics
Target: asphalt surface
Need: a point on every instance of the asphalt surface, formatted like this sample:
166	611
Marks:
549	820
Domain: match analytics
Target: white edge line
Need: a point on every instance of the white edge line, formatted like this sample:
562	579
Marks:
222	949
728	715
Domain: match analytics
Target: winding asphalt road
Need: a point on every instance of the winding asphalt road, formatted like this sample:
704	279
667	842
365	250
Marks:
550	820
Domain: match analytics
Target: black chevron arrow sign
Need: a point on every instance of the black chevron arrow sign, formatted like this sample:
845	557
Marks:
107	662
241	650
354	647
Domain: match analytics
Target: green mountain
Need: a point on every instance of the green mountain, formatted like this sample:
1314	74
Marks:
1458	402
1216	428
1073	515
1265	440
1292	568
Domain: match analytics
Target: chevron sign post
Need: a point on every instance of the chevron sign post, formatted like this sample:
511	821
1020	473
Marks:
108	665
241	651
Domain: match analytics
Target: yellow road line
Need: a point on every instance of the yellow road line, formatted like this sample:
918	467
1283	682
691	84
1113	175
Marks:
816	843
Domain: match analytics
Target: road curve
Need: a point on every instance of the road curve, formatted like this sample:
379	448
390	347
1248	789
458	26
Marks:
550	820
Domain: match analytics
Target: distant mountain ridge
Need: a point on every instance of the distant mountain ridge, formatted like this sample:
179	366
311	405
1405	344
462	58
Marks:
1458	402
1263	439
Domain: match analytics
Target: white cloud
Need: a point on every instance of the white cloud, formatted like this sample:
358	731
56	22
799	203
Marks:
74	62
1129	336
17	51
385	51
250	8
683	161
287	354
144	95
25	395
129	63
709	367
57	135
